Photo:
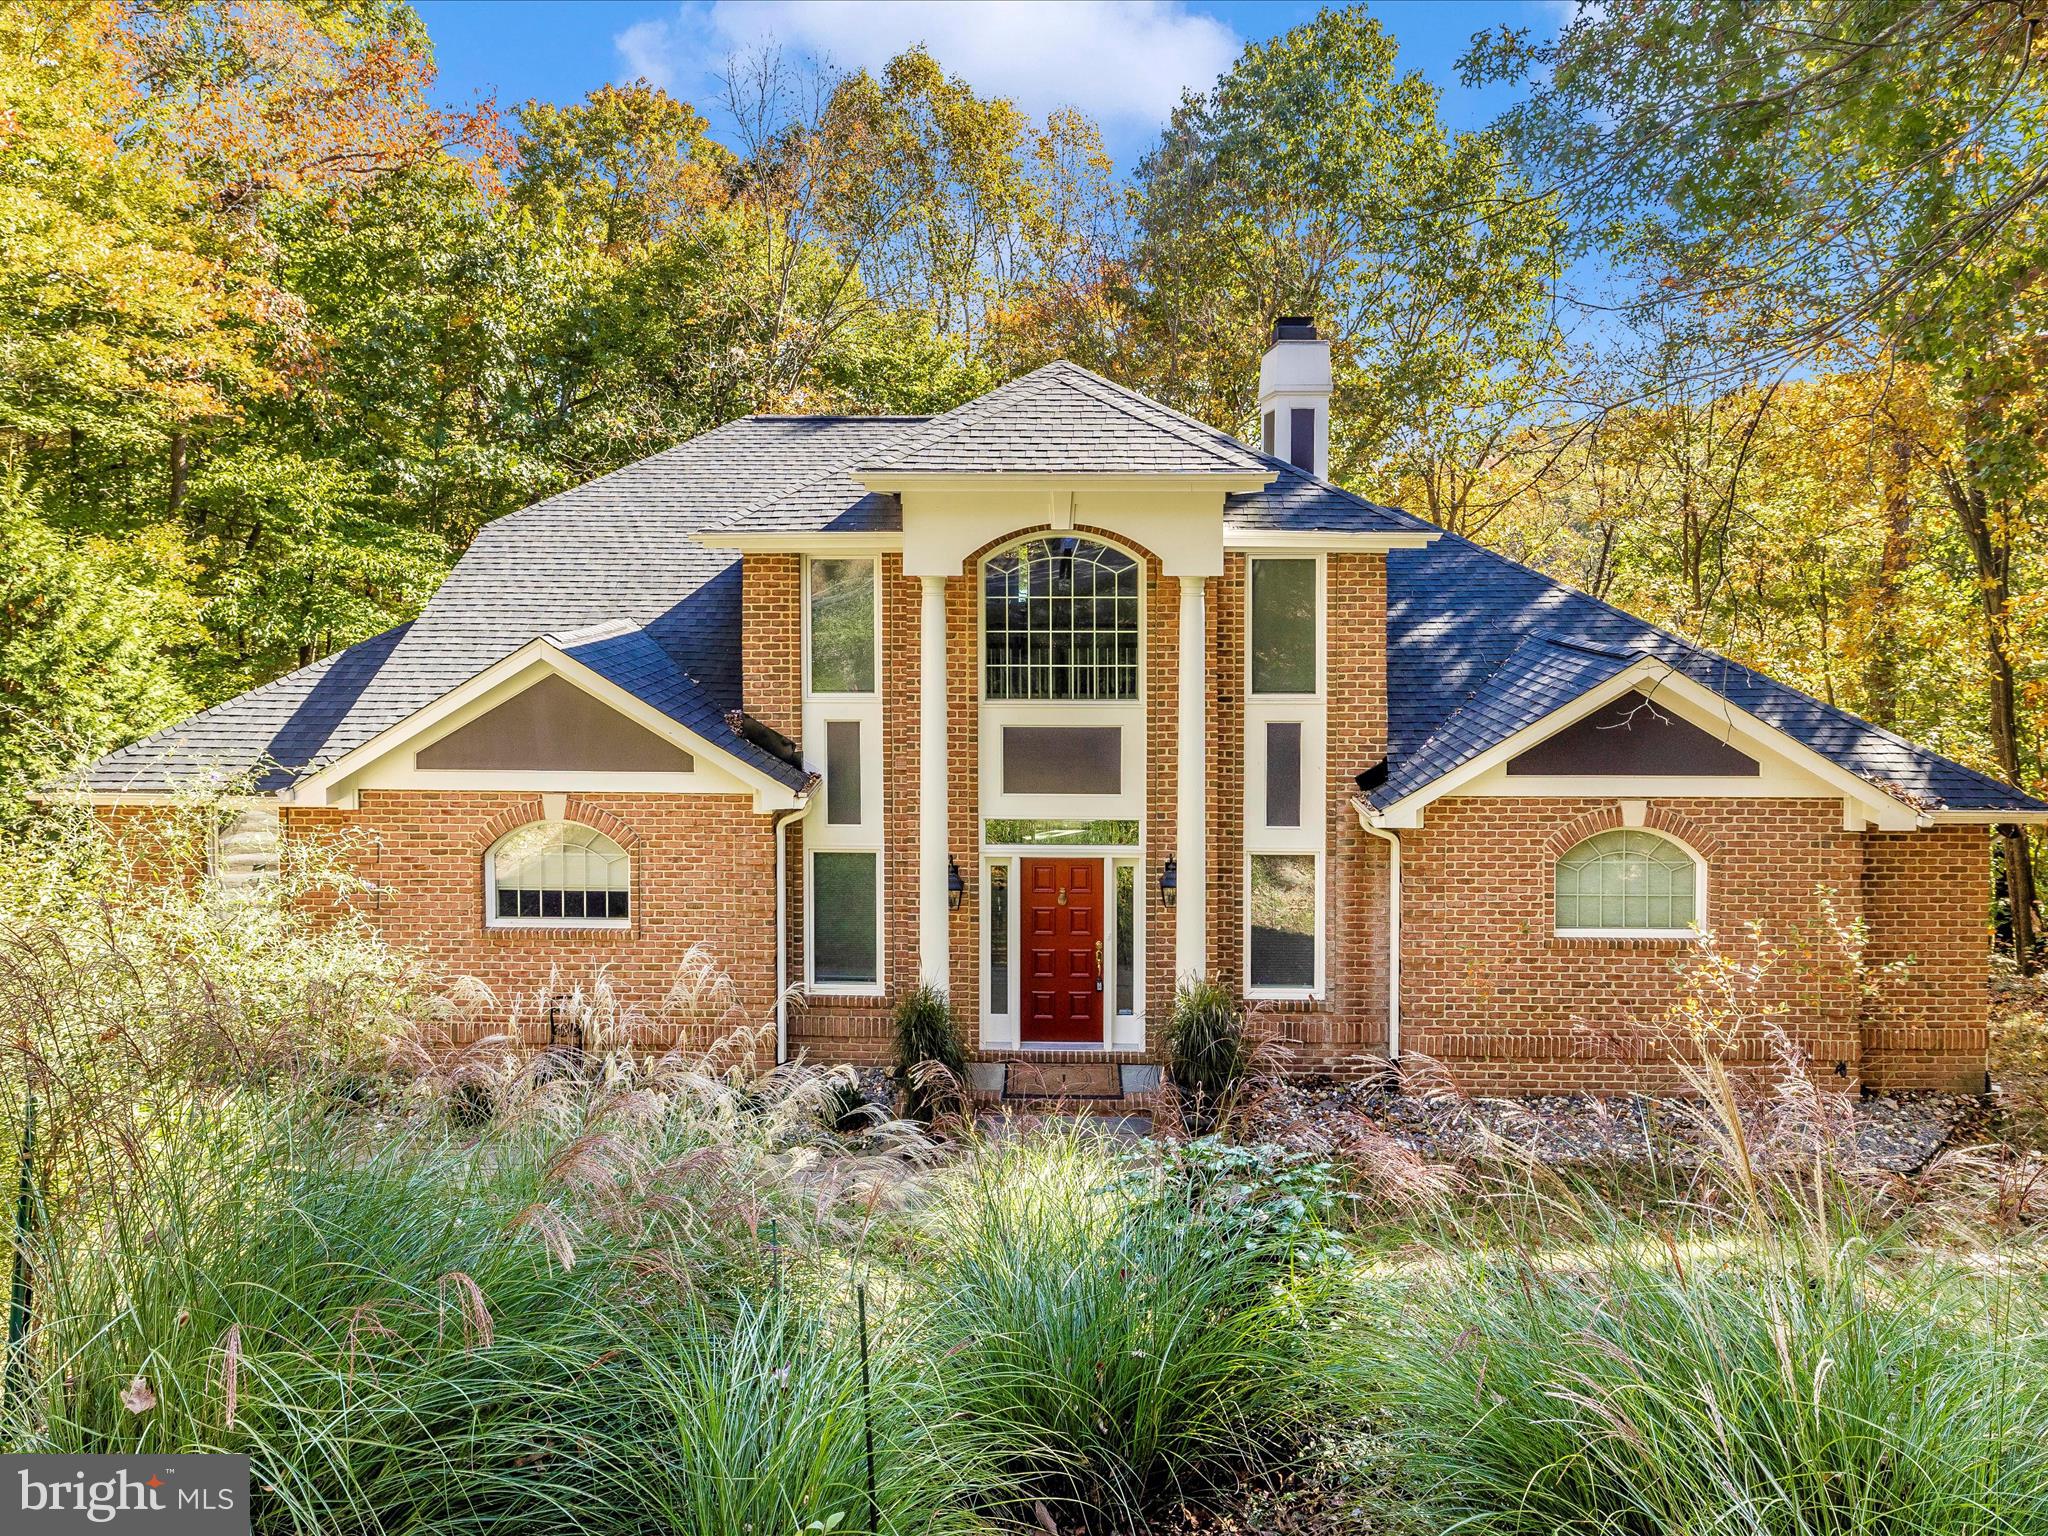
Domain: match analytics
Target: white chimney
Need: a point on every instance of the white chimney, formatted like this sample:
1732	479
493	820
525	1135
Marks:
1294	395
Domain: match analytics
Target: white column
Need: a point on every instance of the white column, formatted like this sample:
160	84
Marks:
932	914
1191	814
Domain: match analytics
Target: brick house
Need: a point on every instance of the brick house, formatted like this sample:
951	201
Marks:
1061	696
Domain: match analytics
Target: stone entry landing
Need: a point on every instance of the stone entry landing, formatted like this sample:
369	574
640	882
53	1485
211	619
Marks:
1034	1084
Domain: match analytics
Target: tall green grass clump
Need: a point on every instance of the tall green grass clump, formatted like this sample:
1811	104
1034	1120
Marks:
1645	1391
1208	1052
1132	1337
1789	1349
767	1423
931	1059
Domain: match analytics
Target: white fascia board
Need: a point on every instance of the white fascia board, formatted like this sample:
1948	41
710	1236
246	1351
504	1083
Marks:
1228	481
1889	814
152	796
1987	818
1308	538
772	541
329	785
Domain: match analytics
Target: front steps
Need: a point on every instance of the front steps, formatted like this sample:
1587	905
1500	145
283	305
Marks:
1065	1082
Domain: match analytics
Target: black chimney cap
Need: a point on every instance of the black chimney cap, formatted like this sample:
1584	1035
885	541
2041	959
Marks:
1295	328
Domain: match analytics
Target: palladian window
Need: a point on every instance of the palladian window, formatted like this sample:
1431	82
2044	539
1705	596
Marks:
1060	621
557	874
1628	882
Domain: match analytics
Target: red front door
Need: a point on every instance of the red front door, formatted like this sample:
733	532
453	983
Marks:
1062	944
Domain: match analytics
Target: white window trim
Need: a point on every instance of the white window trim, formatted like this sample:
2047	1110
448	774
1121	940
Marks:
874	563
584	924
1693	932
842	988
1309	994
1039	536
1316	694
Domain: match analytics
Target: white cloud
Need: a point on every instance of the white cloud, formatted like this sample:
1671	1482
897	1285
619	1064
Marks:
1125	64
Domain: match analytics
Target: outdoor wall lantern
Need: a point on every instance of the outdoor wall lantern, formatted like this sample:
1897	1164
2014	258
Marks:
1169	883
956	888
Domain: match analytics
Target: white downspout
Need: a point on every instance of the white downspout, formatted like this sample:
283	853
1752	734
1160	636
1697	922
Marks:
782	931
1393	842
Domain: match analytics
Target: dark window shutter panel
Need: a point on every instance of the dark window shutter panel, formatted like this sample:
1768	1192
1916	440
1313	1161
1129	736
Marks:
1301	438
1283	773
842	773
1269	431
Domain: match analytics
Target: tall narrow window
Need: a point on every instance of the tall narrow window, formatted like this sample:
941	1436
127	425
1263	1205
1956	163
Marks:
999	939
842	626
1282	920
1060	621
842	773
1283	624
844	952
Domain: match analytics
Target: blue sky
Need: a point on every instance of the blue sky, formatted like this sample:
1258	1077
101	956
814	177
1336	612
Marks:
1124	64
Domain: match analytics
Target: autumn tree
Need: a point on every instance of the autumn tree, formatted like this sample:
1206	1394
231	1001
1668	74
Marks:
1812	174
1318	178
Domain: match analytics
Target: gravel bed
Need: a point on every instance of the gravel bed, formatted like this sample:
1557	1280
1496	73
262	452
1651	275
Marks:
1894	1132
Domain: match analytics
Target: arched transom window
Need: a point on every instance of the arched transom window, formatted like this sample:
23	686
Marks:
1628	882
551	873
1060	621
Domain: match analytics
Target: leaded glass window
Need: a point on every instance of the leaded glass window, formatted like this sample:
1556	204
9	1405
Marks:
1060	621
1627	881
559	872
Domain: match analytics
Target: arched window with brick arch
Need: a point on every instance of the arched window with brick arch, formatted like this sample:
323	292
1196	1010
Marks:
1629	883
1060	621
557	874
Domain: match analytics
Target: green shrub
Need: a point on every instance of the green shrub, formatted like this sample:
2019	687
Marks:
1133	1339
931	1061
1739	1390
1207	1053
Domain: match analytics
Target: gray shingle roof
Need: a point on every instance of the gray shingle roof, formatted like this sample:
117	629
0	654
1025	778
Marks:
617	547
1064	419
1538	676
1470	633
1461	666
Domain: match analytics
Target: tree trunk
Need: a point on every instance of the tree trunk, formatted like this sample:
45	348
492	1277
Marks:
1988	531
175	498
1881	674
